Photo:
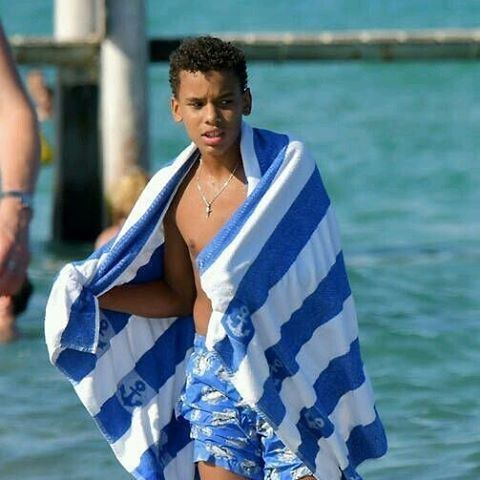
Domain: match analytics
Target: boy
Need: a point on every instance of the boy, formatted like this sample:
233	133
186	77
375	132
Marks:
210	95
242	234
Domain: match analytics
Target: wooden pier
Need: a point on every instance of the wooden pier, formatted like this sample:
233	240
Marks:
102	84
380	45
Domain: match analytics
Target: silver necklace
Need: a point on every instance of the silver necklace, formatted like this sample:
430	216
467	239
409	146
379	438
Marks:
208	204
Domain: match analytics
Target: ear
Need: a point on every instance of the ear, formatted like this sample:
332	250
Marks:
247	102
175	108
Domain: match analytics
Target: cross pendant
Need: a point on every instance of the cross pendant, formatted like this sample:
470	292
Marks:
208	210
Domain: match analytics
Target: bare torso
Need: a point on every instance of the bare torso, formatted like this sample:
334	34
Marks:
188	212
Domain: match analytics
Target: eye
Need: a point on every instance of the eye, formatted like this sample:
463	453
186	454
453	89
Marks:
226	102
196	105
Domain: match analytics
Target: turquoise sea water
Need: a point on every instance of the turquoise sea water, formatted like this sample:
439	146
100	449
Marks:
398	145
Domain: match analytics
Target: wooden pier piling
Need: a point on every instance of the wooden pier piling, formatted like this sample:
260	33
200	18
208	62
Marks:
78	196
123	83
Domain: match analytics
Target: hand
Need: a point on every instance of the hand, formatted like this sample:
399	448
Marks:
14	249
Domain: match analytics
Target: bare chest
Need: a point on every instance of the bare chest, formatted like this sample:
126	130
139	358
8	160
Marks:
198	223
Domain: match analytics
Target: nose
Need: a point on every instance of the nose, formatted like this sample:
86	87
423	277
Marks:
212	114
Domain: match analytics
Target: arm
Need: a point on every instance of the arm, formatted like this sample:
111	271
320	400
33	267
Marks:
18	171
172	296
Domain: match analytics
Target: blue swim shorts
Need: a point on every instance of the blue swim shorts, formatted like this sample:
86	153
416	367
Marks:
226	431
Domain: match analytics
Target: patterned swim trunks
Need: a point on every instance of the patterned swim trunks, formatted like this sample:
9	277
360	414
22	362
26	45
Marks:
226	431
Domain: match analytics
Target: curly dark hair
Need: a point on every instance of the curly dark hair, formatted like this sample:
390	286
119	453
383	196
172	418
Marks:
203	54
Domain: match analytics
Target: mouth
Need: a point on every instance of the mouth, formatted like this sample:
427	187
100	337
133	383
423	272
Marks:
214	137
213	134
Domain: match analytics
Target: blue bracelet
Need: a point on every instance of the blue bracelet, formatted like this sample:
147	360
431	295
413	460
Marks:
26	199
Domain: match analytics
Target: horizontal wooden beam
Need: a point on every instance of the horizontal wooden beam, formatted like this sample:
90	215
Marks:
380	45
48	51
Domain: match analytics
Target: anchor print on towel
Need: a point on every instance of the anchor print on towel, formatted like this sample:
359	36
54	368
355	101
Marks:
132	396
134	391
278	370
315	422
106	332
238	322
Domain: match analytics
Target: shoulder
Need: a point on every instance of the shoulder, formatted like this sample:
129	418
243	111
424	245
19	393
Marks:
270	144
266	146
176	167
182	196
265	138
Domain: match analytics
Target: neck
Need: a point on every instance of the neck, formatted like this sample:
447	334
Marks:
219	166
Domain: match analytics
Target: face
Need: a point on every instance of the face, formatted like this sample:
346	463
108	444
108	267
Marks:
211	106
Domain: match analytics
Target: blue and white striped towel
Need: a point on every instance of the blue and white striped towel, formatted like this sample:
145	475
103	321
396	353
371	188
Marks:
283	323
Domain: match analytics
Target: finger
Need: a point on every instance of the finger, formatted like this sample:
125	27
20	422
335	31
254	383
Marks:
11	283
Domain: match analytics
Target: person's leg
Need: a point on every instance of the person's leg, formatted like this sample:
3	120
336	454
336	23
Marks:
8	328
280	462
10	307
226	445
212	472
